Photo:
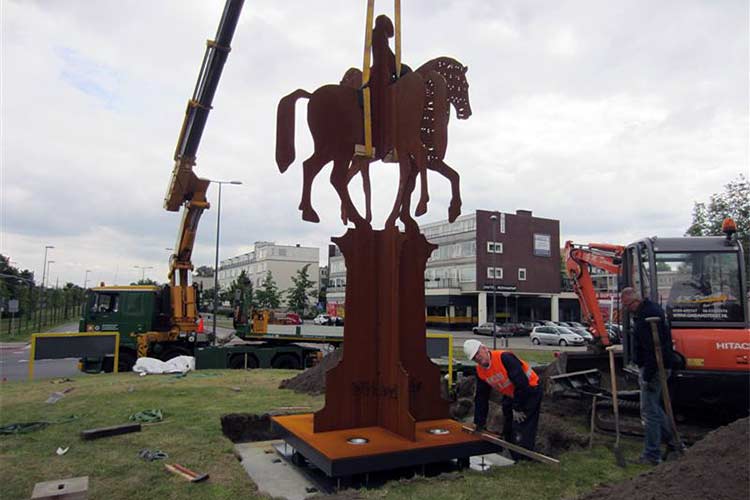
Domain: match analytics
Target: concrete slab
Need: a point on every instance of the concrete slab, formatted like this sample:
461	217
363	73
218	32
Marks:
273	475
483	463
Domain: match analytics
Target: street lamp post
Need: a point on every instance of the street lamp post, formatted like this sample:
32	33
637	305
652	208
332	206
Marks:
493	218
86	278
44	272
143	271
44	312
216	259
507	313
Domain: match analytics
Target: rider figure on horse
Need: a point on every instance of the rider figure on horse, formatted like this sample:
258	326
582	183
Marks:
383	73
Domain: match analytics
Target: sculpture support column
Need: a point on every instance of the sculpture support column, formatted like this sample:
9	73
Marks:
384	378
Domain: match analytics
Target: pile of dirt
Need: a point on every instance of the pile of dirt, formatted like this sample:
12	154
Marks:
313	380
715	467
248	427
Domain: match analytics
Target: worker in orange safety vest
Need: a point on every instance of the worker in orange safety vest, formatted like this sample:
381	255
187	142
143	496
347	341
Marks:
519	386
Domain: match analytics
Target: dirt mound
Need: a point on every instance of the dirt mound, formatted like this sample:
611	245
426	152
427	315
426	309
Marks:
716	467
313	380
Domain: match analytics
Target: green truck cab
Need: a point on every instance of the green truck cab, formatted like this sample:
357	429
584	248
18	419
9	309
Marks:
136	311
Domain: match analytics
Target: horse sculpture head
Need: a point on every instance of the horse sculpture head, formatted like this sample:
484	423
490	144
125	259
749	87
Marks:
458	87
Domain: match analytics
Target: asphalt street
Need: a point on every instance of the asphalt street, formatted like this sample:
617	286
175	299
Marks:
14	360
14	357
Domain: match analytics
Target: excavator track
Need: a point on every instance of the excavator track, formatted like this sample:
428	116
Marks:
630	422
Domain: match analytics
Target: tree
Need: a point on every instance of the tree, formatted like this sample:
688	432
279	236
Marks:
16	284
242	286
146	281
299	295
268	296
734	202
205	272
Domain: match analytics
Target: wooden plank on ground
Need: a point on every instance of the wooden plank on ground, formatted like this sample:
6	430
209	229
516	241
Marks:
115	430
492	438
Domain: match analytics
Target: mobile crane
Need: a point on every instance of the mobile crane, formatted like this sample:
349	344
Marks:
161	322
700	282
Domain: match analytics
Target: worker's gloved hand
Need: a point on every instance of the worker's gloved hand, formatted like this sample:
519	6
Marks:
518	416
478	428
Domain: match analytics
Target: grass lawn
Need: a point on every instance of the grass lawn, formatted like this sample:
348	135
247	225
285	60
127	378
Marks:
191	435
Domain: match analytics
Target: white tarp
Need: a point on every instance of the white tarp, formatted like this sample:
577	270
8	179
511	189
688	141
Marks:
153	366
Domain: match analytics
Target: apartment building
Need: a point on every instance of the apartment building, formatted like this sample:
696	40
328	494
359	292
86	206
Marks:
282	260
510	264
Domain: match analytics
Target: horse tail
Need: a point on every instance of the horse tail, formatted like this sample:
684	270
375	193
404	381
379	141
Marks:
285	152
440	113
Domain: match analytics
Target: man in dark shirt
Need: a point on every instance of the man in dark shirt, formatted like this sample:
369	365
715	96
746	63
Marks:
519	386
657	428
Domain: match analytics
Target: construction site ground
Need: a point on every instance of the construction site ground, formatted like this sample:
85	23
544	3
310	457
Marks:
194	435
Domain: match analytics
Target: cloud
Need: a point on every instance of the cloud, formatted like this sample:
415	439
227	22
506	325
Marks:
612	118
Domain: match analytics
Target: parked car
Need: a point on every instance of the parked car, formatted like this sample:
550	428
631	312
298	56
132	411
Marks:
483	329
486	329
555	335
582	331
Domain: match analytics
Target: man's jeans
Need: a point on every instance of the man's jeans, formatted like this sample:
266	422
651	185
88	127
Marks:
654	419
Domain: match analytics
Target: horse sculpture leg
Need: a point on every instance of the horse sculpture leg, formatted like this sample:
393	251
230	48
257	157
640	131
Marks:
409	223
310	168
405	170
360	165
424	196
367	190
339	182
454	209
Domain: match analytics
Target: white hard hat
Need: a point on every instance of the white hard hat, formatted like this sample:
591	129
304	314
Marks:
471	347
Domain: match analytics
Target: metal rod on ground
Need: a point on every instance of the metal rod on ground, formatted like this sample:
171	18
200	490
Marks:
593	418
487	436
654	321
619	457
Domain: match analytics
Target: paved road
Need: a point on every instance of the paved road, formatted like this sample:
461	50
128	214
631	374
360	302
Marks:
458	337
14	360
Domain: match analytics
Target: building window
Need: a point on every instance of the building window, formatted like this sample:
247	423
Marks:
497	274
467	274
542	245
521	274
502	223
494	247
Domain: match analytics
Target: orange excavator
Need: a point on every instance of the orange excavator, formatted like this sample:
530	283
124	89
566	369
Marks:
700	283
578	262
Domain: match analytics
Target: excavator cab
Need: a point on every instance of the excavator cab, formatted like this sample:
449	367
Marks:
700	283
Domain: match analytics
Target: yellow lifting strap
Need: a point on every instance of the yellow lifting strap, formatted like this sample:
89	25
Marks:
368	150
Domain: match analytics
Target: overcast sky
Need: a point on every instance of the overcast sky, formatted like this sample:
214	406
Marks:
612	117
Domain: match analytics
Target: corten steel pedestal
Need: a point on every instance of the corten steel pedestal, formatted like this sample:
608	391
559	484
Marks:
385	389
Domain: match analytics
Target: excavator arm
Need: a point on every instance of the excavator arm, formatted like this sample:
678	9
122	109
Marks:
186	190
578	261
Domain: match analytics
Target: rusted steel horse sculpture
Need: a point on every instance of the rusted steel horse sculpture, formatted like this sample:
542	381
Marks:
335	122
434	130
409	115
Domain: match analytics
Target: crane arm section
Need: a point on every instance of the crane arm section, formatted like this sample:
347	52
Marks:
186	190
578	261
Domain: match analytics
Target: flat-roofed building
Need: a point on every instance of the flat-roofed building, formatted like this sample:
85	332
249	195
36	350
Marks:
284	261
512	262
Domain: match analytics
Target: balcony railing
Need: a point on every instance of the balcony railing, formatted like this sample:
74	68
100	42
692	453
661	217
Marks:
441	283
